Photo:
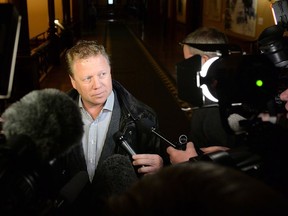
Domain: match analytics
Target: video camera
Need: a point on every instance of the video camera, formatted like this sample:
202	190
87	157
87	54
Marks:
244	85
247	84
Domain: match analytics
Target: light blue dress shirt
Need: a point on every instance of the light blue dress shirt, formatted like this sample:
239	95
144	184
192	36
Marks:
95	133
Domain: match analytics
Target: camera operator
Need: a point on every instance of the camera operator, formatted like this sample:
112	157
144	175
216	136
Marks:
207	131
206	128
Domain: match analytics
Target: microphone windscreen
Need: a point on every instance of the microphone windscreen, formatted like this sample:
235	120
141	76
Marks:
114	176
49	117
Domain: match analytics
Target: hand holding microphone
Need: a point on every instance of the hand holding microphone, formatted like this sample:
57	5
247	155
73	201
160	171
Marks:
147	163
144	163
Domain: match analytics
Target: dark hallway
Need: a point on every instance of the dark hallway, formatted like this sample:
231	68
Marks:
144	50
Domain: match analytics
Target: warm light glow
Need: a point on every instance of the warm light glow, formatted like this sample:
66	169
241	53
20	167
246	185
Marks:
57	23
273	13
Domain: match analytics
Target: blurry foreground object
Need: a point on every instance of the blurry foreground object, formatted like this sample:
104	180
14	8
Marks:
38	132
200	189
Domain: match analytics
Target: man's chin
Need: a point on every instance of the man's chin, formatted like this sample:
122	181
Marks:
99	100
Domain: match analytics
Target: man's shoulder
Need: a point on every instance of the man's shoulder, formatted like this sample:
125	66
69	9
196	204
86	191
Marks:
132	103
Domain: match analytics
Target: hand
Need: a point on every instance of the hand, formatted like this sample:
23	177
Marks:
284	97
149	163
211	149
273	119
179	156
265	117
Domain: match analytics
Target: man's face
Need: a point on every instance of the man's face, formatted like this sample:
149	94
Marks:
187	52
92	79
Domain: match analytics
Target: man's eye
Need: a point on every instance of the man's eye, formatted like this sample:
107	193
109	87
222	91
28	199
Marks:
87	79
102	75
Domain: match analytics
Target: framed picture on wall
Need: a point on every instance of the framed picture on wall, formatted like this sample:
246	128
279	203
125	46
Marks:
241	17
213	9
181	10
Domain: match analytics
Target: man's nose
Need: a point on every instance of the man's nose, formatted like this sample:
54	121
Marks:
96	82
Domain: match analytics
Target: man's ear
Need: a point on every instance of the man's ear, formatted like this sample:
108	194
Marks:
72	81
204	58
187	51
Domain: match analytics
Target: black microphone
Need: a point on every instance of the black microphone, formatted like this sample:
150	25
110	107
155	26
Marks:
49	117
157	133
120	140
148	126
114	176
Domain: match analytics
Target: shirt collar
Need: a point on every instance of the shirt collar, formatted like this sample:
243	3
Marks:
107	106
109	102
